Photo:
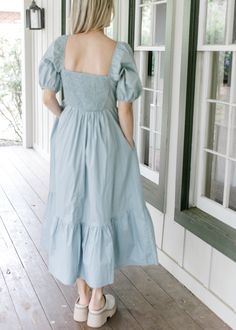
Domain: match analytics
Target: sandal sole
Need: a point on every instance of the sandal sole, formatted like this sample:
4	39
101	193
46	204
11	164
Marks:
97	320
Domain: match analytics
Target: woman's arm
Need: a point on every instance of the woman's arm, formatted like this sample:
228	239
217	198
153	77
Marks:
50	101
125	113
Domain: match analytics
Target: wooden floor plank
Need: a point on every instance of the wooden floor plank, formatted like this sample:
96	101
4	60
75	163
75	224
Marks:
8	317
28	218
30	174
148	317
160	300
33	154
26	303
31	197
123	319
184	298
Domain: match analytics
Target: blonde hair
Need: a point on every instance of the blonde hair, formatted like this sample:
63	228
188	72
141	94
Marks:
87	15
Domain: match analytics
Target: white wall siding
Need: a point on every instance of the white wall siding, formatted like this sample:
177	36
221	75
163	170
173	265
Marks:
223	278
158	225
197	258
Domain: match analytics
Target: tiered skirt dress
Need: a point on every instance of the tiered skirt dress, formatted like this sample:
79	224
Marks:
96	218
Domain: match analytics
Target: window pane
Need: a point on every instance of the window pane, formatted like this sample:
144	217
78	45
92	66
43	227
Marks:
154	70
146	31
216	21
233	134
215	172
151	115
159	23
155	118
160	73
150	149
232	195
148	99
150	64
217	127
144	159
221	75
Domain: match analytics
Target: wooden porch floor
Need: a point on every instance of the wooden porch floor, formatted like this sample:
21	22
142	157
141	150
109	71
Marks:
148	298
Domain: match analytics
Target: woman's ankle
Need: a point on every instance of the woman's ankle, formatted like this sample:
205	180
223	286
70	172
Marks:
97	302
85	297
84	291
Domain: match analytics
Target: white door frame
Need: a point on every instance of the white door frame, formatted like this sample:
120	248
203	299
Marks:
27	79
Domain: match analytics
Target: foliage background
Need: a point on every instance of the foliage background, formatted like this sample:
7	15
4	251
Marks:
10	90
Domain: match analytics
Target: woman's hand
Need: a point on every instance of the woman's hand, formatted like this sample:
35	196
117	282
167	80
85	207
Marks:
125	113
50	101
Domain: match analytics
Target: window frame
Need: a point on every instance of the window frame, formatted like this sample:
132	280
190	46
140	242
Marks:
155	194
210	229
205	53
204	203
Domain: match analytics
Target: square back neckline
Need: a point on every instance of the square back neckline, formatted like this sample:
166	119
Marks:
89	73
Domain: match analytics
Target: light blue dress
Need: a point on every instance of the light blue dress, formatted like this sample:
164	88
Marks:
95	219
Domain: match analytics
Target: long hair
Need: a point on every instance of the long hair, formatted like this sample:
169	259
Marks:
87	15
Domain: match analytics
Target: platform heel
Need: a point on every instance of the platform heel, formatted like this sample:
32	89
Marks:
96	318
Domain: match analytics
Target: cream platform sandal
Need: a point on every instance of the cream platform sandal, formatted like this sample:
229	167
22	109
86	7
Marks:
80	311
96	318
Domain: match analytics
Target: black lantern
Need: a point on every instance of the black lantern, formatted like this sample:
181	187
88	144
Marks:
35	17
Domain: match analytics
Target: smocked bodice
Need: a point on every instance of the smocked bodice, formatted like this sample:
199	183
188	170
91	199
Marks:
88	91
94	93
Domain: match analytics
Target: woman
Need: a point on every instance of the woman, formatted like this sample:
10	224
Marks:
96	219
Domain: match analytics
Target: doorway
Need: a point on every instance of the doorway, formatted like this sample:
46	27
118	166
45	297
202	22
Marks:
11	127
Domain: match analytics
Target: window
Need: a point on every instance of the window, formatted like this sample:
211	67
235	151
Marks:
206	178
216	175
149	44
154	63
216	19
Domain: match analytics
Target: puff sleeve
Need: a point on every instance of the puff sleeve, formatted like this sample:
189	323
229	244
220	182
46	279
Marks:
49	71
129	86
